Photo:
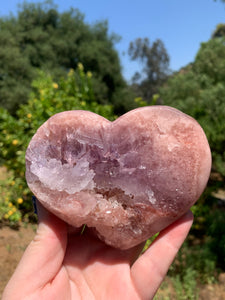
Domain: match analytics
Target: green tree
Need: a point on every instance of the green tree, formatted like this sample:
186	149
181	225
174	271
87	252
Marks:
155	62
15	70
41	37
219	31
199	91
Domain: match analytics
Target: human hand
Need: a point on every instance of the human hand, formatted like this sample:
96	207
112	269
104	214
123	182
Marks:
62	265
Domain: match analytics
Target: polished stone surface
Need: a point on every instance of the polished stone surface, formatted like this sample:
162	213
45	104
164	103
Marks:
128	179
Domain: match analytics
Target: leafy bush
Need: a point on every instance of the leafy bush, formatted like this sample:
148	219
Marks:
186	288
178	288
49	98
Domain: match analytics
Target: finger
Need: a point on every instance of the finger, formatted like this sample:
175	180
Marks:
43	257
150	269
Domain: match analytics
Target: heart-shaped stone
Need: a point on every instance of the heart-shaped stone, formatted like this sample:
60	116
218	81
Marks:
128	179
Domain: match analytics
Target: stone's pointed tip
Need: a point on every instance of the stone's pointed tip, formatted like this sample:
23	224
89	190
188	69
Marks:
128	179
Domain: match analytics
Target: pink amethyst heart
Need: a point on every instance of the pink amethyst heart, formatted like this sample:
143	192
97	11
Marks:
128	179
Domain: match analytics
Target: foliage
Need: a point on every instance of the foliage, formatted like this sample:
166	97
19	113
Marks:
199	91
216	232
13	192
197	257
155	61
219	32
186	288
49	97
179	287
39	36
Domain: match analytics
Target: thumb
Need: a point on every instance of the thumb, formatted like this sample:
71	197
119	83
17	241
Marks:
44	256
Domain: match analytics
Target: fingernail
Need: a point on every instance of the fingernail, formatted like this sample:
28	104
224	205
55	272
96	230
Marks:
34	199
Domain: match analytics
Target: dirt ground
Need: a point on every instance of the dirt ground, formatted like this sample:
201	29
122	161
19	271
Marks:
14	242
12	245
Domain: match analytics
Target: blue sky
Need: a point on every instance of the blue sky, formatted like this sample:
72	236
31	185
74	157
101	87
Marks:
181	24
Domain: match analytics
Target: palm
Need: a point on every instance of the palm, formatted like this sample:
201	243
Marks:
93	270
58	265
